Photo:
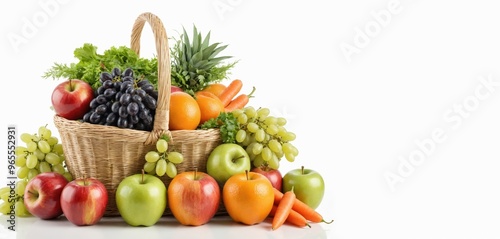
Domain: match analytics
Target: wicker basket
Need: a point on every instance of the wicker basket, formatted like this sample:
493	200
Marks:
110	153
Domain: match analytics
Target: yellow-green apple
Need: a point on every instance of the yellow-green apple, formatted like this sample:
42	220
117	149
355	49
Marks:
43	193
141	199
193	197
308	185
71	98
84	201
274	175
226	160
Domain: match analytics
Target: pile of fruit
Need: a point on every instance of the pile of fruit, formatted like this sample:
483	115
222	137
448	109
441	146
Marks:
242	172
40	154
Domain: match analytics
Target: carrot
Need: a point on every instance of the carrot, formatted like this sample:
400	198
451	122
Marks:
283	210
239	102
277	196
293	218
230	92
302	208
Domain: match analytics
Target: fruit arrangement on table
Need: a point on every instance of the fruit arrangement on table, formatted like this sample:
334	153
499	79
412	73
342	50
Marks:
237	176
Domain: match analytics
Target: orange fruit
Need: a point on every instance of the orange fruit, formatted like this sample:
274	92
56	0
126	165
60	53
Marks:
184	112
215	88
210	105
248	197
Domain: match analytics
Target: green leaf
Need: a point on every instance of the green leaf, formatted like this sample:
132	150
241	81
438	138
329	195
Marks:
203	64
86	53
217	50
208	50
227	124
219	59
206	41
196	57
196	40
186	46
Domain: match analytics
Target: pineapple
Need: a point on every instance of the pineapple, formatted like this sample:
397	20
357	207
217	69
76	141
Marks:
196	64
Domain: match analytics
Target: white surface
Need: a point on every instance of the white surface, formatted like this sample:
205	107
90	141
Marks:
167	227
354	119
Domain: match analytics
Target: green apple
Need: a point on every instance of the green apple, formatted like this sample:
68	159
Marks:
308	185
226	160
141	199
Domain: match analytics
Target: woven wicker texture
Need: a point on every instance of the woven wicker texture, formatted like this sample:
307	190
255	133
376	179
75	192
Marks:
110	153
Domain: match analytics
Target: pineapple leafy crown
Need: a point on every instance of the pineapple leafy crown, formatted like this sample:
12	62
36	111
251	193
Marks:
196	62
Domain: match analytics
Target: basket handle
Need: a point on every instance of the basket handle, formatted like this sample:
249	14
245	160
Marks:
161	119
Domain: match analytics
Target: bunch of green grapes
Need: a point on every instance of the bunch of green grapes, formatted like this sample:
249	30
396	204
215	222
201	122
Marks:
42	153
264	137
14	200
160	161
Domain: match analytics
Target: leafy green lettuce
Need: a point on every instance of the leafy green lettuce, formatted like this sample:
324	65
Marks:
91	64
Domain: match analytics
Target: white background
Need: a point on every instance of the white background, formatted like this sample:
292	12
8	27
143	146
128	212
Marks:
358	117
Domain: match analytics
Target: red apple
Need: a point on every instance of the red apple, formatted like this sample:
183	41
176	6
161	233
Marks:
273	175
42	195
193	197
84	200
71	99
174	88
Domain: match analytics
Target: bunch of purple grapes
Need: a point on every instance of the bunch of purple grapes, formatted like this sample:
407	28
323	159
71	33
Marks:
123	101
